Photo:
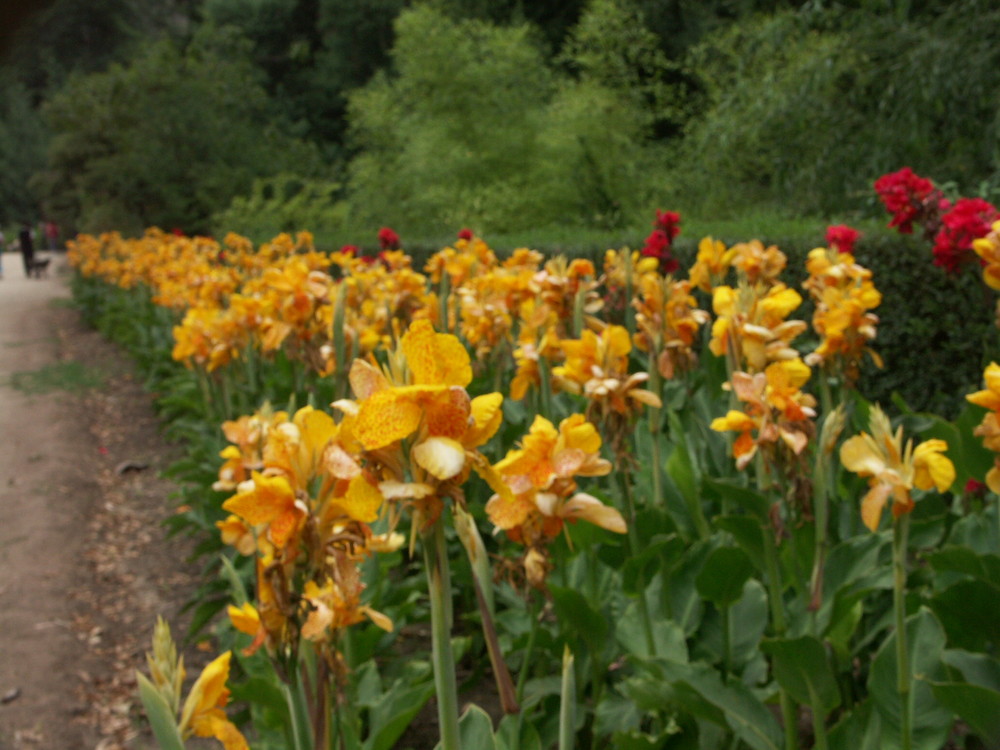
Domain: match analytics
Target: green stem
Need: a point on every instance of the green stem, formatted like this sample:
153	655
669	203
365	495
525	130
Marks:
900	531
297	711
436	568
819	721
635	546
567	705
522	678
780	627
726	641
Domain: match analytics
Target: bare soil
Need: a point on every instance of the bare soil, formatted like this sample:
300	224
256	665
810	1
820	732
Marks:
85	562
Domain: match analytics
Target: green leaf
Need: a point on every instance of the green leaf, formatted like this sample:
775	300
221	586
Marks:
748	718
727	489
392	713
667	635
963	560
978	706
931	720
579	618
861	729
802	668
969	611
476	729
747	533
721	578
979	669
161	718
508	738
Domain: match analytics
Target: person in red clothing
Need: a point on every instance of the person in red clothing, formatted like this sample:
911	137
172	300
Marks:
52	234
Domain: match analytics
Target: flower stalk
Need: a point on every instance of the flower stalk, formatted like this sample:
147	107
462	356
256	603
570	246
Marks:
438	575
900	533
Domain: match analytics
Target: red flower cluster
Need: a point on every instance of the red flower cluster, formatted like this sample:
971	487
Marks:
909	198
465	234
968	220
667	227
388	239
842	237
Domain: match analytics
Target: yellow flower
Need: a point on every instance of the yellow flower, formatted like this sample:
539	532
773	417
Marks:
268	501
894	469
543	492
203	714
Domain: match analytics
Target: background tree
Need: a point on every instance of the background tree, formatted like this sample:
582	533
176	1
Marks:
164	140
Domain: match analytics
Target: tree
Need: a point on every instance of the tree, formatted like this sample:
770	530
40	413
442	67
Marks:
164	140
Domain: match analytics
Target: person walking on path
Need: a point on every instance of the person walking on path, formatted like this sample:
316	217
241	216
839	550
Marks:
27	241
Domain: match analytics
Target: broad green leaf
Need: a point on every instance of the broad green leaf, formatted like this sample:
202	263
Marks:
965	561
750	500
513	733
861	729
978	706
721	578
747	533
970	613
579	618
931	720
745	715
667	636
978	669
476	729
392	713
680	591
658	553
161	718
802	668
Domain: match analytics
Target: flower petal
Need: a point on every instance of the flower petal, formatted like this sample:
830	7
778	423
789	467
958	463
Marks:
441	456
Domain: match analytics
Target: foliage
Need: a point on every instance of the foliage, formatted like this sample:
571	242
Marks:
476	129
113	165
22	152
808	106
286	201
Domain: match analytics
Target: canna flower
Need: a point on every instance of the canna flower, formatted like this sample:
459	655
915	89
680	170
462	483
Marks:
910	198
989	428
751	329
668	320
776	409
203	713
894	469
843	294
269	501
543	493
711	264
758	264
988	250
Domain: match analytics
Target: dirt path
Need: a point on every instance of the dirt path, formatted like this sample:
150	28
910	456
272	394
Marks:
85	566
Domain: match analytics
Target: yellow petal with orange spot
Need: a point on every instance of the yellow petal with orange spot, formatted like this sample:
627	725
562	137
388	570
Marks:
366	379
435	358
385	417
362	501
447	414
266	500
509	512
487	415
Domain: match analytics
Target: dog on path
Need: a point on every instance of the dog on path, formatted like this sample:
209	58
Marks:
39	268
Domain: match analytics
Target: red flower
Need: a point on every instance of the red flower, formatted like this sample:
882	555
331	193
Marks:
388	239
975	488
465	234
968	220
908	197
842	237
351	250
658	246
669	222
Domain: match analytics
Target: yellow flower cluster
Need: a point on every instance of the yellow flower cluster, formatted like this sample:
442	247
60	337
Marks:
844	294
989	428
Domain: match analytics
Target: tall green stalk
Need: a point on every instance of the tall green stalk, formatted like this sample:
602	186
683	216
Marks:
635	547
900	532
438	576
